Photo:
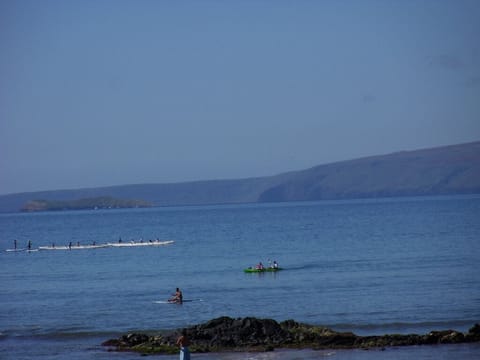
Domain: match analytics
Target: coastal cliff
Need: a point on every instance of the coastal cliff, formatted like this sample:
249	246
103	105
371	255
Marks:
226	334
446	170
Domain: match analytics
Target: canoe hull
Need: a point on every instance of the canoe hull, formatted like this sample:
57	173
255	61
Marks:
253	270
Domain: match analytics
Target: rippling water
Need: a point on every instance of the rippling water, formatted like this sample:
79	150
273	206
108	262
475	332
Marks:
368	266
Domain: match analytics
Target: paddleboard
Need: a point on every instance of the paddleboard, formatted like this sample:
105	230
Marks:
15	250
173	302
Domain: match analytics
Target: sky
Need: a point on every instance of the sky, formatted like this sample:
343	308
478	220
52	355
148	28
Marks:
111	92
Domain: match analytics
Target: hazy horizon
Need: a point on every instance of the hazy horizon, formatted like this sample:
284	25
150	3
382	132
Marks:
105	93
246	177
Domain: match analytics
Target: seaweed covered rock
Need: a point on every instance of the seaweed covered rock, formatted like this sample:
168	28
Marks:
252	334
127	342
473	334
227	333
299	333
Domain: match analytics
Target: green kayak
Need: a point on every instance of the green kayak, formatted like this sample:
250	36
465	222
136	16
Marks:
254	270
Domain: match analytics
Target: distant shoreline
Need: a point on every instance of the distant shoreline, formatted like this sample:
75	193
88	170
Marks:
102	202
349	200
447	170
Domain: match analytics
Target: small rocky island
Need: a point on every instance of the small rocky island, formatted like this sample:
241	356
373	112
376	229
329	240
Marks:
225	334
103	202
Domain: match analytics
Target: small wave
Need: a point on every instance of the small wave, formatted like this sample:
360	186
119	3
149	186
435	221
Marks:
309	266
56	334
402	327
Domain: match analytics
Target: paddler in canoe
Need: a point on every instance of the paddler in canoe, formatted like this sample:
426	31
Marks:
261	268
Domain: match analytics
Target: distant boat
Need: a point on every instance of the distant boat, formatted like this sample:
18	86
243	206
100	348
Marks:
145	243
267	269
73	247
95	246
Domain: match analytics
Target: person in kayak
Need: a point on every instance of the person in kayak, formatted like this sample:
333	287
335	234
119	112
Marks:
177	297
259	266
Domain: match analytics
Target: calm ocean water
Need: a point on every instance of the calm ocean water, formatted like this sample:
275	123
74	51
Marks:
367	266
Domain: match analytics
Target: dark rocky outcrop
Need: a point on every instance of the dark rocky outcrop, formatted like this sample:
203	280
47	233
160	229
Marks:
252	334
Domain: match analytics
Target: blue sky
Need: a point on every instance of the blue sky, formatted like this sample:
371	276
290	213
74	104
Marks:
98	93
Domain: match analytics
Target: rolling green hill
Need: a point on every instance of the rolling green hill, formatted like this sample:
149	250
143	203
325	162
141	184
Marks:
444	170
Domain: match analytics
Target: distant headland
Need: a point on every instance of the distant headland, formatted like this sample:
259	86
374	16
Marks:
103	202
447	170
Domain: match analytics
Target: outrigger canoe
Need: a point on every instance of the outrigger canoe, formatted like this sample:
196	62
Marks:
144	243
73	247
267	269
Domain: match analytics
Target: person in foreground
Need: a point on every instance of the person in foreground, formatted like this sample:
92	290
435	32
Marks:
177	297
183	343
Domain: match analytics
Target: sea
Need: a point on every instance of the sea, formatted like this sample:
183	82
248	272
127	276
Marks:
370	266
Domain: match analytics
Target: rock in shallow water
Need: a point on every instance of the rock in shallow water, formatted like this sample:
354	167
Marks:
252	334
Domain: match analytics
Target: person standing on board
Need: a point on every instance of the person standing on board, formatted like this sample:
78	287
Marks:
184	343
